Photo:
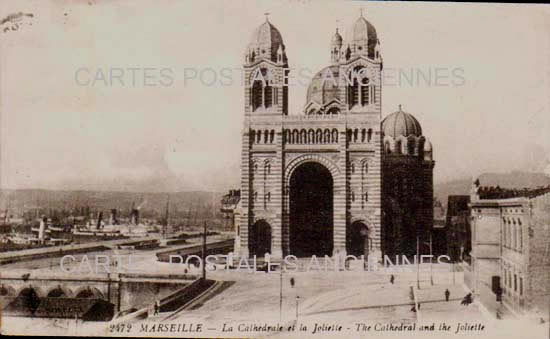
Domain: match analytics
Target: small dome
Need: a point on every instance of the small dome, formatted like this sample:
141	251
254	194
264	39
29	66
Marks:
427	146
336	39
401	124
323	88
266	41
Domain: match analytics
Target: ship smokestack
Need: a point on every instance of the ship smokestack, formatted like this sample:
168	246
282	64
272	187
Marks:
113	220
42	229
135	216
99	219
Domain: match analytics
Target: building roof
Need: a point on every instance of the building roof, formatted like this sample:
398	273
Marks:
265	42
323	89
456	205
361	37
401	124
492	192
336	39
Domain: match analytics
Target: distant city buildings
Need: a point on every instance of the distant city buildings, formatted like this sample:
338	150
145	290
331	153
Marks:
457	224
439	230
231	211
511	248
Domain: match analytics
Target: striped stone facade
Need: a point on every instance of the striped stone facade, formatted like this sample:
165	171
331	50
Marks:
340	129
511	249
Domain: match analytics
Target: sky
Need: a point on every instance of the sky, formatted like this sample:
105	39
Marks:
129	95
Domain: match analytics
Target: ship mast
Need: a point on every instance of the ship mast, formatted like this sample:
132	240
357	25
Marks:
165	227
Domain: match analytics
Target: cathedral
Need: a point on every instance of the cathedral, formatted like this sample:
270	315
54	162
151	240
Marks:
336	178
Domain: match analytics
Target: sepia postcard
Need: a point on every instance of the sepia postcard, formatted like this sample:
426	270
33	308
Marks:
282	169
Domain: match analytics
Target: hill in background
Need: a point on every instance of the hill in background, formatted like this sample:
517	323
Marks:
208	203
514	179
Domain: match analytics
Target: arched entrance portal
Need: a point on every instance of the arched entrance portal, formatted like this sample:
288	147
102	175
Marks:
311	210
260	237
357	239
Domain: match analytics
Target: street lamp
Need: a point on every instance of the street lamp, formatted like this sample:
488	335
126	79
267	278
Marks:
297	301
280	294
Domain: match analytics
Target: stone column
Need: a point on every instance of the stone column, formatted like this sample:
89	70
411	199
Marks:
340	196
245	194
276	183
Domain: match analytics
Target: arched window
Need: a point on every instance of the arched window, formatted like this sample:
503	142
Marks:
353	92
365	91
520	236
327	136
261	94
295	136
271	136
366	197
333	111
387	147
335	135
253	136
410	146
504	237
256	94
359	90
398	146
303	136
268	95
369	134
310	136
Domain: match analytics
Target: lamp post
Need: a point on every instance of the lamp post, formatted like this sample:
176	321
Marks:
281	295
204	252
297	301
417	262
431	261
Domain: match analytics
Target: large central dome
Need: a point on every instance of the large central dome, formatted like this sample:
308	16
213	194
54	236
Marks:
323	88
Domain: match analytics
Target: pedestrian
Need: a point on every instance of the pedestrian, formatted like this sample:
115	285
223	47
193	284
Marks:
292	282
467	300
157	307
447	294
392	279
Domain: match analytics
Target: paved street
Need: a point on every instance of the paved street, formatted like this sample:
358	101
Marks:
356	296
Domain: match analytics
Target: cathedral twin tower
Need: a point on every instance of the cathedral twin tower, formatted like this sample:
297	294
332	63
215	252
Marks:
335	179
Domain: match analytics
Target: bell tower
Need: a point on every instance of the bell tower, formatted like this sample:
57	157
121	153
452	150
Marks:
266	73
265	104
